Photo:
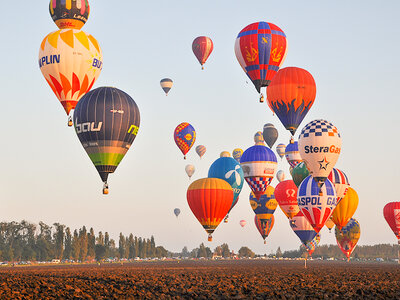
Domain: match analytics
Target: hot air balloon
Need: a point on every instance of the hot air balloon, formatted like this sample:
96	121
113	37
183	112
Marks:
319	146
310	247
339	179
347	237
317	204
299	173
329	224
237	154
264	227
346	208
106	121
270	134
210	200
202	47
286	195
302	228
290	95
189	169
280	175
264	207
177	212
71	61
70	13
184	136
292	153
201	150
391	212
260	49
259	166
166	85
259	139
224	154
228	169
242	223
280	149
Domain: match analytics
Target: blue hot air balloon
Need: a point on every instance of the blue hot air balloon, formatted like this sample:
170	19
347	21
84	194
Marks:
292	153
302	228
228	169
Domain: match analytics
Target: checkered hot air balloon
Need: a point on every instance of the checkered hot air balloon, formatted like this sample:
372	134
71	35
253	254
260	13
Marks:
302	228
320	146
264	227
259	165
260	49
202	47
347	237
286	195
391	212
292	153
339	179
69	13
317	204
184	136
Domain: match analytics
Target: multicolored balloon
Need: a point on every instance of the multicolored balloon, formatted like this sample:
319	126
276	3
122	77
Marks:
224	154
242	223
190	169
346	208
210	200
177	212
106	121
202	47
264	207
347	237
166	85
311	246
286	195
270	134
259	165
320	145
184	136
290	95
201	150
292	153
299	173
69	13
302	228
260	49
317	204
280	149
71	61
237	154
391	212
264	227
339	179
280	175
259	139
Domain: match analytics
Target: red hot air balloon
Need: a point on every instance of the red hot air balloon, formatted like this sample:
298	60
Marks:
202	47
286	195
264	226
391	212
210	200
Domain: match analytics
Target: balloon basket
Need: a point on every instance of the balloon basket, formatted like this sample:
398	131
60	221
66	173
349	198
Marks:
70	123
226	219
210	237
105	189
265	242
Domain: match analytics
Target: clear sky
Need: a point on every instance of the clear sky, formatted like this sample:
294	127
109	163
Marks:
350	47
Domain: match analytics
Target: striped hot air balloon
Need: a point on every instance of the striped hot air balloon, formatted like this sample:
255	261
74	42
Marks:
264	226
184	136
69	13
106	121
302	228
292	153
201	150
210	200
202	47
347	237
71	61
339	179
166	85
317	204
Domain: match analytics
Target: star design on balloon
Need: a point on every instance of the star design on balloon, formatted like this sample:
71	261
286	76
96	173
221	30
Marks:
293	223
323	164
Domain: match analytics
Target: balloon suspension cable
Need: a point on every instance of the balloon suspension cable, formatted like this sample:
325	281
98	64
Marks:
70	123
210	237
226	219
261	98
105	188
184	157
202	67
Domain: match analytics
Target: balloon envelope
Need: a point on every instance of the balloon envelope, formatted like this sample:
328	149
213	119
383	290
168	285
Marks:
184	136
177	212
237	154
286	195
391	212
329	224
348	236
280	149
202	47
302	228
280	175
346	208
201	150
166	85
299	173
292	153
264	226
270	134
242	223
69	14
339	179
259	139
190	169
224	154
264	207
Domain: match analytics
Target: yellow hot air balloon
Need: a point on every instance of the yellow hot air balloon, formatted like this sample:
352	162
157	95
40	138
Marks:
346	208
71	61
329	224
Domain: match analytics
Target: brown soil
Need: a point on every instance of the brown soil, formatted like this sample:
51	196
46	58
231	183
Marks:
244	279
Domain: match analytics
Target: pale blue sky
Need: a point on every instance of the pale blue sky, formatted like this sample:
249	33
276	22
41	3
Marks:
350	47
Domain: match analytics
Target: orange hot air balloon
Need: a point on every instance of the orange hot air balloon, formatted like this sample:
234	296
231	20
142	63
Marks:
264	226
329	224
291	94
346	208
210	200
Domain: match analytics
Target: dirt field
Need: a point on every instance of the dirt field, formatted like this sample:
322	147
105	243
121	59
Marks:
255	279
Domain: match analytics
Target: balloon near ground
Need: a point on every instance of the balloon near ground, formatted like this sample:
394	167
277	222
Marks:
339	179
311	246
299	173
292	153
270	134
184	136
71	61
316	204
201	150
264	207
347	237
286	195
166	85
290	95
259	165
346	208
210	200
202	47
260	49
320	146
107	122
264	226
391	212
69	14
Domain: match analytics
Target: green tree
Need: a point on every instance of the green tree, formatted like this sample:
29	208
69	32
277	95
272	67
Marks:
225	250
245	252
83	243
100	252
59	240
121	247
278	252
68	244
91	243
76	246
